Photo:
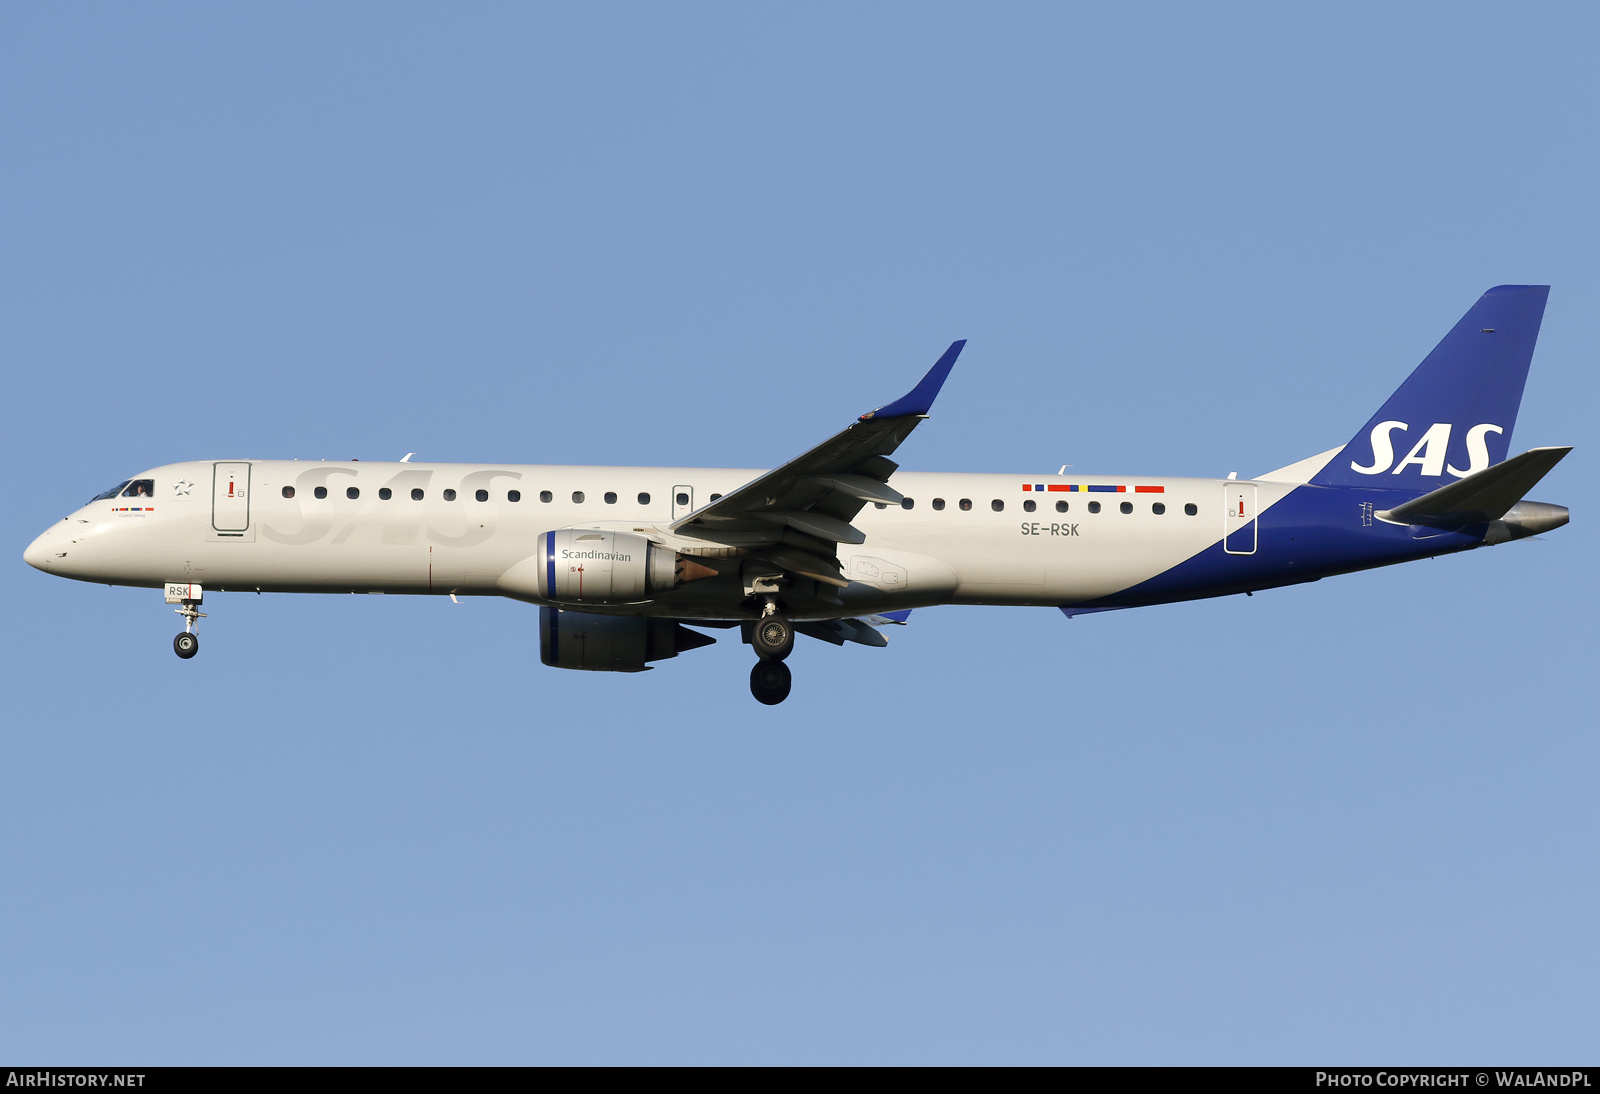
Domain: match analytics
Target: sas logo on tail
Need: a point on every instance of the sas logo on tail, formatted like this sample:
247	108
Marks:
1429	453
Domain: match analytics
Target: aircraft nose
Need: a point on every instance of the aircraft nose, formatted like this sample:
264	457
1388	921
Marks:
38	553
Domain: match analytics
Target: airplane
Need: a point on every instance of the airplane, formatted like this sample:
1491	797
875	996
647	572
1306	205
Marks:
631	565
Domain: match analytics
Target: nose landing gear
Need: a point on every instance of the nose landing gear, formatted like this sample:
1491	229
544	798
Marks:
187	644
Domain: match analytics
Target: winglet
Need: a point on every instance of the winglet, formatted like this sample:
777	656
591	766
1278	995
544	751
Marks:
920	398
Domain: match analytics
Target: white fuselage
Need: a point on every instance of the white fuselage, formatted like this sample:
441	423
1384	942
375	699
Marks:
228	525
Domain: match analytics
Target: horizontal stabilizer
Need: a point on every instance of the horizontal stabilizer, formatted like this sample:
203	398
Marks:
1478	498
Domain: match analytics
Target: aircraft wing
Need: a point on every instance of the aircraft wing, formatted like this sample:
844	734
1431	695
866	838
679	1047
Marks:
795	516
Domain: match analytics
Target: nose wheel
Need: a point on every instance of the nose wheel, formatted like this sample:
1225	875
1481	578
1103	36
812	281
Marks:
188	598
769	682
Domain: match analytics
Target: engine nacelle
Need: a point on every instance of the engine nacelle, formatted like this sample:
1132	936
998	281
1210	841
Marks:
580	565
611	643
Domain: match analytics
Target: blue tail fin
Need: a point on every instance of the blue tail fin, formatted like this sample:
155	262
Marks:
1455	413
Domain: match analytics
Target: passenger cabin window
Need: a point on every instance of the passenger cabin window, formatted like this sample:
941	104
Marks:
611	497
644	499
320	492
546	496
1094	507
1158	508
997	505
938	503
449	495
1029	506
908	503
683	499
352	493
577	497
482	495
113	492
140	488
1061	507
288	491
513	495
416	495
384	493
716	497
966	504
1190	510
1127	507
880	505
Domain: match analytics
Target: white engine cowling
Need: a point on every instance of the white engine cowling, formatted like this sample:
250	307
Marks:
611	643
578	566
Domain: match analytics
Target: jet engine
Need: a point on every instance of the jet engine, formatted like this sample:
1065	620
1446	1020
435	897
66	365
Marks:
611	643
581	565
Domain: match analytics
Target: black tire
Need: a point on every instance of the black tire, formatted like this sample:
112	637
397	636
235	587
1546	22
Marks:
186	645
769	682
773	638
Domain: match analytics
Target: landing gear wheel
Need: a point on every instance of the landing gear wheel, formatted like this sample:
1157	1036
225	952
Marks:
773	638
769	682
186	645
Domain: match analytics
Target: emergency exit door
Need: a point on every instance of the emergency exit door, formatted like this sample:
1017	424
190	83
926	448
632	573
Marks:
230	498
1239	525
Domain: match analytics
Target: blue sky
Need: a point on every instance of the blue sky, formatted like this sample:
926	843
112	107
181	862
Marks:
1350	822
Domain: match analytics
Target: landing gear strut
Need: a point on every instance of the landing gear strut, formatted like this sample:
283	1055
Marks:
773	639
187	644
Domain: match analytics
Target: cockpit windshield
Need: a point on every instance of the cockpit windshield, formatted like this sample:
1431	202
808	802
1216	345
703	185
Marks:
113	492
140	488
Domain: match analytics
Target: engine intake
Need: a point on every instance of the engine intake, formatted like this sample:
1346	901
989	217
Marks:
585	566
611	643
578	566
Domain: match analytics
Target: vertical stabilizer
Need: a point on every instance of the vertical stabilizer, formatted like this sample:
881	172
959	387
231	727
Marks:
1454	415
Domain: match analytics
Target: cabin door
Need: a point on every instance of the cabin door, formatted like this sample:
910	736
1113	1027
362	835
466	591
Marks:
230	499
1239	532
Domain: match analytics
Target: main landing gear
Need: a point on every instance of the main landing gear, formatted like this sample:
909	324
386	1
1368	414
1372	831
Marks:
188	597
769	682
773	639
